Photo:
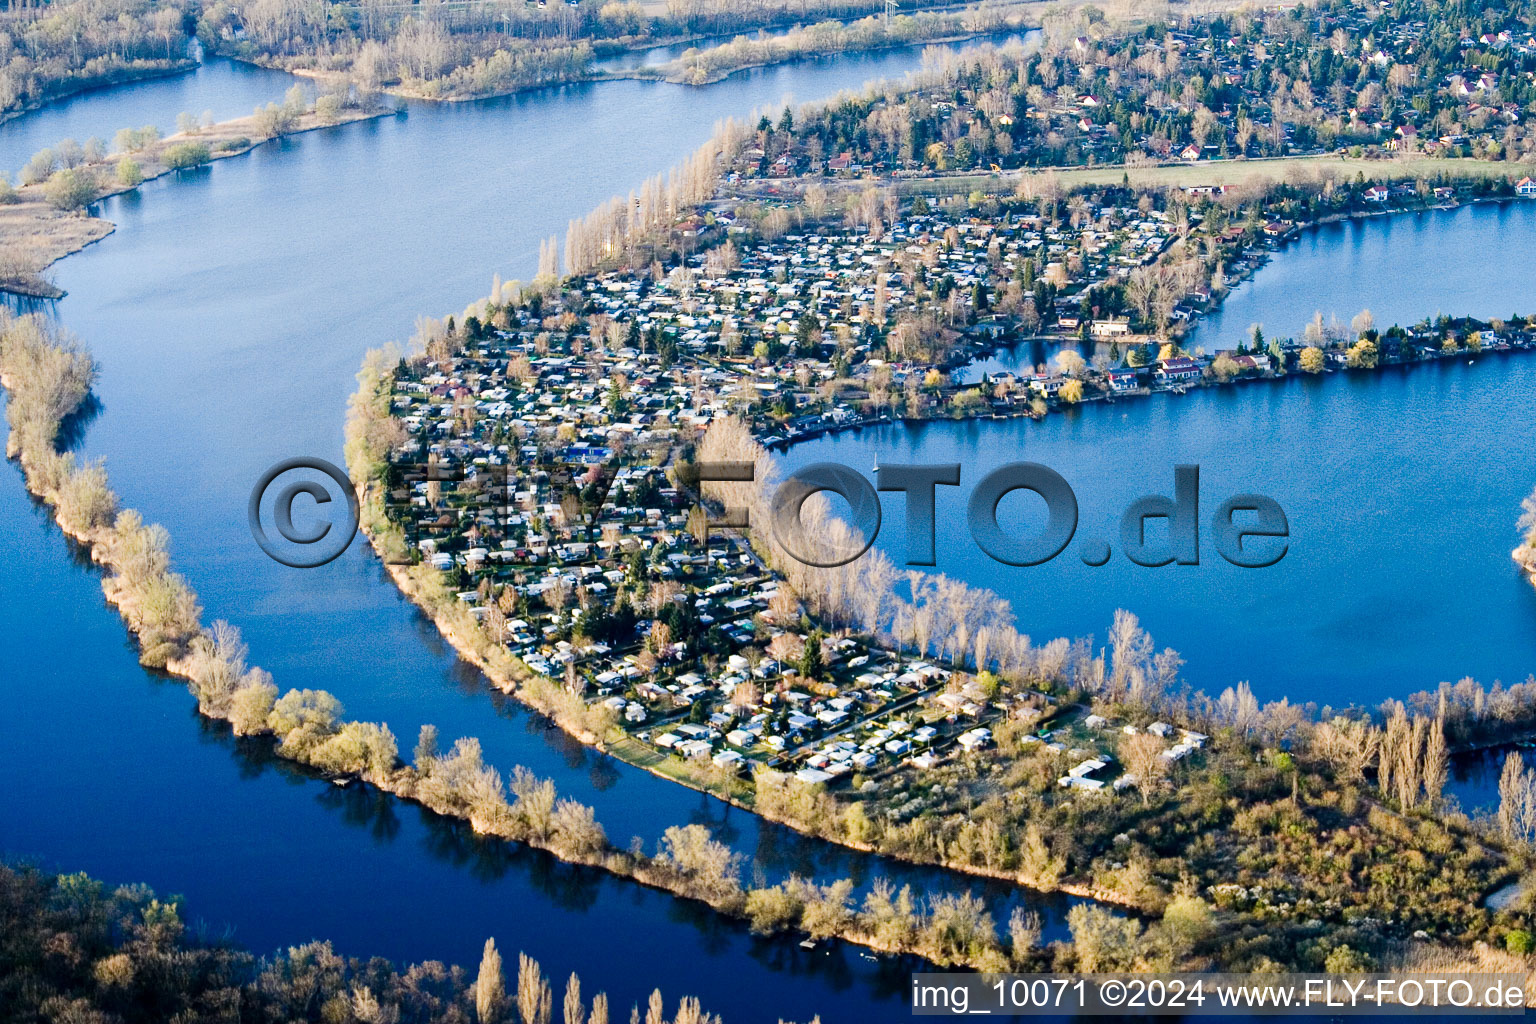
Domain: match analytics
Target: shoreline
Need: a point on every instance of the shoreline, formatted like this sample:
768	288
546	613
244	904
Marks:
720	75
727	896
124	76
33	225
510	686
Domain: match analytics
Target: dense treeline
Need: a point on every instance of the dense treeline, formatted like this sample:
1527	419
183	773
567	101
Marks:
697	67
714	17
1252	83
54	50
76	950
463	50
417	57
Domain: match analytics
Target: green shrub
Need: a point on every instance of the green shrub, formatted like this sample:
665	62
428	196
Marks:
328	108
43	163
271	120
129	172
186	154
1344	960
230	145
1520	942
72	189
131	140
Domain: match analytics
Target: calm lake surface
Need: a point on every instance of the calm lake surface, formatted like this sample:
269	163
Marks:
229	313
1401	487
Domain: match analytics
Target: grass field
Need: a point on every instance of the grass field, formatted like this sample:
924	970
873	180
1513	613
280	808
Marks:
693	774
1229	172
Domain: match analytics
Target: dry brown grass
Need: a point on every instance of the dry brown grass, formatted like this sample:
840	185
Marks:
1301	169
33	235
1429	958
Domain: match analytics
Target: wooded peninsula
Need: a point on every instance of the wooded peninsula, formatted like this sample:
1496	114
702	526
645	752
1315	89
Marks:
527	468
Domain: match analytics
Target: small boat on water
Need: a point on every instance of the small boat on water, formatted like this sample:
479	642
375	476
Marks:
807	943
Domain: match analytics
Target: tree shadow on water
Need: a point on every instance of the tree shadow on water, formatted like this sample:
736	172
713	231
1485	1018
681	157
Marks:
73	428
363	806
567	886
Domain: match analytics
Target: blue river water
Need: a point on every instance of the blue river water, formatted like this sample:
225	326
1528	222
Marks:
232	307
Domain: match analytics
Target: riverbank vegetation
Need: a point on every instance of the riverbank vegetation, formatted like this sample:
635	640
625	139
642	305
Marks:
48	51
47	217
77	949
48	377
1525	554
711	64
470	51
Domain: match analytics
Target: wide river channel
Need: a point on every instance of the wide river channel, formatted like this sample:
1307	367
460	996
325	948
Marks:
229	313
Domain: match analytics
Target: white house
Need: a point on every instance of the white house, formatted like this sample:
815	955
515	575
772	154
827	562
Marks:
975	739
